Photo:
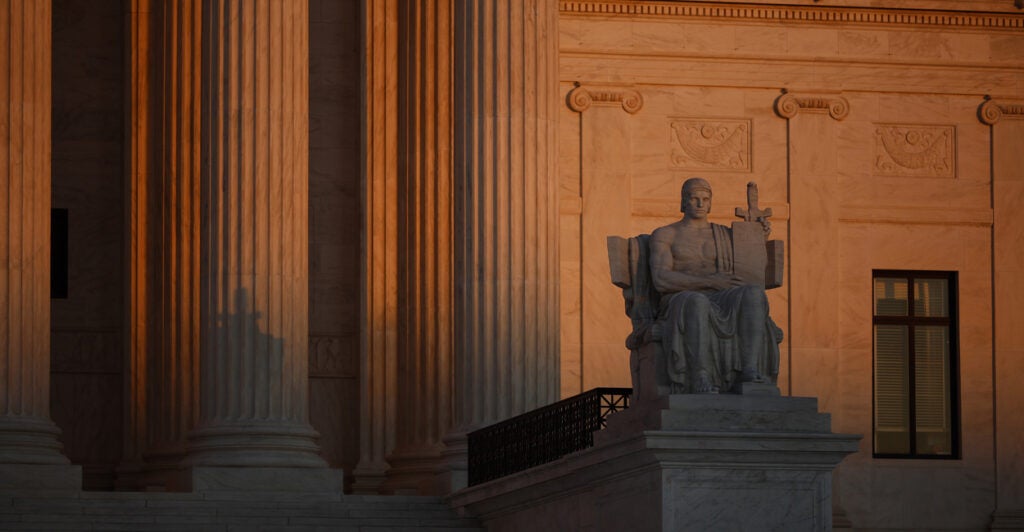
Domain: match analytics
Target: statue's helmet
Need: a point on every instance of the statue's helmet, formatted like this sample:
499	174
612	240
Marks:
691	185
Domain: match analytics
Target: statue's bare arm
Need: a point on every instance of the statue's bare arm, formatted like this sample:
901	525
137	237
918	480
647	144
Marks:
667	280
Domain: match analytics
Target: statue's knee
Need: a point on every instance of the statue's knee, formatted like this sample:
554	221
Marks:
698	304
754	297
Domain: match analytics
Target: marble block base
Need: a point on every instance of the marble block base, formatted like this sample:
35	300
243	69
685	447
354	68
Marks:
279	479
685	462
26	477
1007	520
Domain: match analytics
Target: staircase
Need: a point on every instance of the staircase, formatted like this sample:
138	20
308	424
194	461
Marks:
227	511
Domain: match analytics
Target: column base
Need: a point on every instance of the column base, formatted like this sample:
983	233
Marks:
453	473
369	477
30	440
162	470
255	444
30	456
413	472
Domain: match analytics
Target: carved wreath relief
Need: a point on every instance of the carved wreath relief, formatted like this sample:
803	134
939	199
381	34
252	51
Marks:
915	151
701	144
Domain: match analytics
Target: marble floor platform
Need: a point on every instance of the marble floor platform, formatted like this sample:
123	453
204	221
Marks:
226	511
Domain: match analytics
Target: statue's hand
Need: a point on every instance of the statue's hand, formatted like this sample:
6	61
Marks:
722	281
767	227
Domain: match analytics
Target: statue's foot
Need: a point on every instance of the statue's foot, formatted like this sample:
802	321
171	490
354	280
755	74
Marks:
703	384
751	375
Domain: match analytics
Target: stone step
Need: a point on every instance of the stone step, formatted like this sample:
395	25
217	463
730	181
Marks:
226	511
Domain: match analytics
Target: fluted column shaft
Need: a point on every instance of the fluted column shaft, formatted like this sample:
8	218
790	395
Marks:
506	217
378	331
424	242
254	230
174	371
27	435
163	247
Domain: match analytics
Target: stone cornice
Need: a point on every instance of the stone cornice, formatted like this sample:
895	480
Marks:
992	111
811	14
582	98
788	104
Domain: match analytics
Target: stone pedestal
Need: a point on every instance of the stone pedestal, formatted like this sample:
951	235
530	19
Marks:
682	462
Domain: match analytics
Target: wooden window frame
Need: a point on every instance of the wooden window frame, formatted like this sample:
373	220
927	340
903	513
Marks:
951	321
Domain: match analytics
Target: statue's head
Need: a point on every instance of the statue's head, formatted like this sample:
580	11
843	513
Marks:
702	189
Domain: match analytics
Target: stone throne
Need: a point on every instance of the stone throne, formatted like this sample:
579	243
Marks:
754	259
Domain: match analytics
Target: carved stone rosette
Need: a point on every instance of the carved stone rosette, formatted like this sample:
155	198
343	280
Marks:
915	151
992	111
788	105
710	144
582	98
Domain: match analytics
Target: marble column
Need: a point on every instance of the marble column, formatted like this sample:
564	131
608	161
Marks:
379	334
1007	120
164	239
505	215
814	250
424	361
30	452
254	292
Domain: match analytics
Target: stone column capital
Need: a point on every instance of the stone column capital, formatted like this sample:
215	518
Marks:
788	104
583	97
991	111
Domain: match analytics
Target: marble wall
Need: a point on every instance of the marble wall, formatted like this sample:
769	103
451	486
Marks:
849	194
88	179
334	228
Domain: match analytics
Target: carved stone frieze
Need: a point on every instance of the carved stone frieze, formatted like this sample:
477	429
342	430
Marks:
582	98
992	111
788	104
809	14
710	144
915	151
333	356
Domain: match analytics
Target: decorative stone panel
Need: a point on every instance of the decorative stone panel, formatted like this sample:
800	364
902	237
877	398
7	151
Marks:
710	144
915	151
333	356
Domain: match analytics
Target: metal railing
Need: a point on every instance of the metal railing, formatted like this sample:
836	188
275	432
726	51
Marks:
542	435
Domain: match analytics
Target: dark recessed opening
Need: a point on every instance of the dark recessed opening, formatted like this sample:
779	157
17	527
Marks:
58	253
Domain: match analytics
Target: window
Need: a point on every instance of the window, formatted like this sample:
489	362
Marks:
915	365
58	253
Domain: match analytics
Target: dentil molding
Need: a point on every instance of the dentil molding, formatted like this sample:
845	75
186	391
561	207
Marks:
807	14
583	97
788	104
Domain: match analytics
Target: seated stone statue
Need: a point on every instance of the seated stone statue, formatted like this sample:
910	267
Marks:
698	300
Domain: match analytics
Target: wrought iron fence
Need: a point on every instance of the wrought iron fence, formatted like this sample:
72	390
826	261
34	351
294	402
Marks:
542	435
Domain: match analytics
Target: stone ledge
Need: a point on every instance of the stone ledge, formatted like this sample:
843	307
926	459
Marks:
286	480
58	477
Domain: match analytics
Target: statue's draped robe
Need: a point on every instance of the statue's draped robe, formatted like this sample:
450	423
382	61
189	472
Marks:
724	360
